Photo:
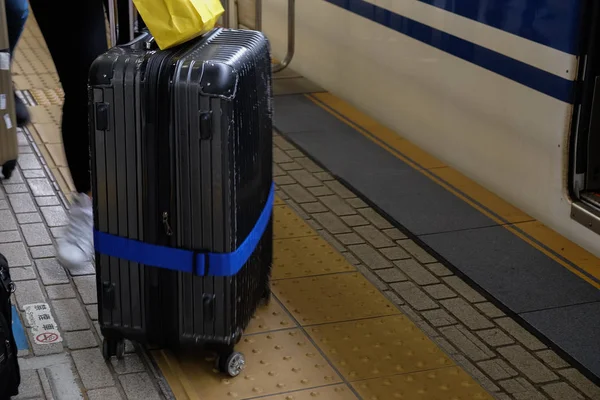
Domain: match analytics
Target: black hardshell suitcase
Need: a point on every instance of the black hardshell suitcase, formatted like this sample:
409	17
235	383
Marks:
182	180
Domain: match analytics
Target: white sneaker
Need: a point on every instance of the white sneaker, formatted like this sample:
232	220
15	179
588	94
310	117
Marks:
76	248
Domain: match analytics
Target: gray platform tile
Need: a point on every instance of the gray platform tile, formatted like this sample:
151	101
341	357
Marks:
581	382
495	337
57	292
16	254
439	292
104	394
85	269
574	329
416	272
42	251
22	273
92	368
86	285
403	193
467	343
512	271
63	382
521	334
391	275
21	138
25	150
7	221
395	253
374	236
80	340
51	272
41	187
30	385
15	188
414	296
34	173
29	218
28	292
70	315
29	161
10	237
38	363
36	234
55	216
139	387
22	203
338	205
467	314
347	194
522	360
439	269
561	391
464	289
47	201
92	311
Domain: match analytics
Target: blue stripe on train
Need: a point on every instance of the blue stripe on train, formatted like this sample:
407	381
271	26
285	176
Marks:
554	23
532	77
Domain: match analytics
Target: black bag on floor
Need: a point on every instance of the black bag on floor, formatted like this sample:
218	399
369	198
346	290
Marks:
10	376
183	191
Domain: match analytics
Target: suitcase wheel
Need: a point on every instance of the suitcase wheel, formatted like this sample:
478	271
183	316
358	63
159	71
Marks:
231	364
113	348
8	168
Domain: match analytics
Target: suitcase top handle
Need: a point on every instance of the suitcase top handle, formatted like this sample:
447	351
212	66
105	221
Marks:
198	263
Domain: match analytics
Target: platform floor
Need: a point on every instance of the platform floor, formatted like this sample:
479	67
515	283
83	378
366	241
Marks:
360	310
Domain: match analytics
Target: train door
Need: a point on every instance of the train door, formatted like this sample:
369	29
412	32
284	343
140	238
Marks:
585	156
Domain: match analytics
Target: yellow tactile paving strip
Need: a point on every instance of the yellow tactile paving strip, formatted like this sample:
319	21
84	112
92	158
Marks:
328	333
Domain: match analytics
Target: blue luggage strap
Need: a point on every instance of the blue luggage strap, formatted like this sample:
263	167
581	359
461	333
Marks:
199	263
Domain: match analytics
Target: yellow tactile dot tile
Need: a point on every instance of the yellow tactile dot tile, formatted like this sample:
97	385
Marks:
306	256
336	392
276	363
288	224
269	318
378	347
442	384
332	298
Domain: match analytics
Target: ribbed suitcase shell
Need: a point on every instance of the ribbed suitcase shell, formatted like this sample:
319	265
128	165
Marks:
182	157
9	149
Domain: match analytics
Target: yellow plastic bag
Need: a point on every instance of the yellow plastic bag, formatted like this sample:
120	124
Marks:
173	22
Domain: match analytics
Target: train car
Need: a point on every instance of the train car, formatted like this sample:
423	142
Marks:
502	90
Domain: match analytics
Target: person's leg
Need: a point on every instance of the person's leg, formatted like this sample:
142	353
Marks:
74	46
17	12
